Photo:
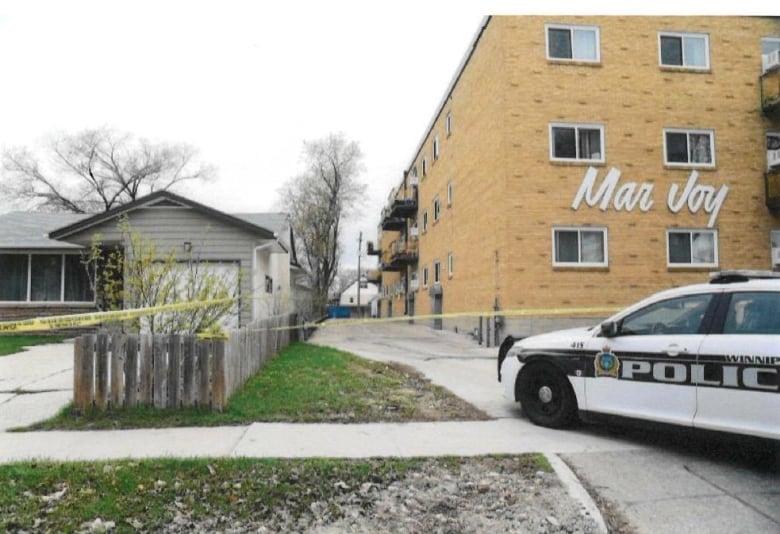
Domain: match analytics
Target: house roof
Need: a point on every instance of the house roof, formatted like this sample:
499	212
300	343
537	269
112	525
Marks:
160	198
30	230
39	230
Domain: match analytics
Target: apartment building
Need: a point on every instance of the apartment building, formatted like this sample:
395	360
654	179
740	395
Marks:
586	162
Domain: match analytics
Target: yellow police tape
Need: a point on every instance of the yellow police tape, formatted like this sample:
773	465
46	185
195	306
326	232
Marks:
87	319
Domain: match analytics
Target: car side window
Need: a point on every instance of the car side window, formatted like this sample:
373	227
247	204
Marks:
681	315
754	312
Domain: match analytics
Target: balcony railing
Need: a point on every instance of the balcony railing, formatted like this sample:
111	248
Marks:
772	185
391	222
404	207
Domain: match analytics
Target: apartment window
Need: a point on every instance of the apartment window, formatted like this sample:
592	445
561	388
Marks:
435	148
688	50
574	43
425	221
436	272
448	123
436	208
425	276
692	248
414	171
576	142
43	278
449	193
689	147
450	264
769	45
580	246
424	165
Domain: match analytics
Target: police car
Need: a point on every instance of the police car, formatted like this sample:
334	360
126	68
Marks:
704	356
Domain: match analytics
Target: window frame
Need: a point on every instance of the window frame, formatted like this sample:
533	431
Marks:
436	150
571	28
449	193
448	123
692	264
436	209
450	264
425	276
425	221
437	272
579	263
424	166
682	36
63	280
577	126
688	132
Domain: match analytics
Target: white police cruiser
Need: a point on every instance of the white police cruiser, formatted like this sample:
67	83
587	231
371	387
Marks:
704	356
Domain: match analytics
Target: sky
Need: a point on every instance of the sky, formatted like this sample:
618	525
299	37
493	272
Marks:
247	82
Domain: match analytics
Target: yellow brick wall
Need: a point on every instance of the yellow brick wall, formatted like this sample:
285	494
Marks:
508	195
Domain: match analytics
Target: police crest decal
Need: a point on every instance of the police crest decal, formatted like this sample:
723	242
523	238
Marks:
606	363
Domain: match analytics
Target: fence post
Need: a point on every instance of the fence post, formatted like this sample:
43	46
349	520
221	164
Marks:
174	370
131	371
219	379
159	364
146	377
83	371
188	369
204	365
101	371
117	370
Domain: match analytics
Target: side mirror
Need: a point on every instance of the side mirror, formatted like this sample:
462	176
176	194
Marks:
609	329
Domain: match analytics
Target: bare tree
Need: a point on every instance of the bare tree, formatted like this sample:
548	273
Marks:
318	200
96	170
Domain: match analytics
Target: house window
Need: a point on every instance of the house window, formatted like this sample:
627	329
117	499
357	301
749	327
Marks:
436	208
449	193
574	43
425	276
424	167
435	148
448	123
692	248
425	221
13	277
450	264
44	278
689	50
689	147
576	142
580	247
269	284
436	272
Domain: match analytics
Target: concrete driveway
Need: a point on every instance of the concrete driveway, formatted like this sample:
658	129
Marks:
661	481
35	384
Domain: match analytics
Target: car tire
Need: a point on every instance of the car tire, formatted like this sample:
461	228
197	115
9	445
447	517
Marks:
546	396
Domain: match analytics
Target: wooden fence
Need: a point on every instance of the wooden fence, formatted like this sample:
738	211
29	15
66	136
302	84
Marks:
173	371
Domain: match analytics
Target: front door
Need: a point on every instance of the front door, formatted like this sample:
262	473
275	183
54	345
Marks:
645	370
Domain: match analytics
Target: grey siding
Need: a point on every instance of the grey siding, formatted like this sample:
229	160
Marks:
171	227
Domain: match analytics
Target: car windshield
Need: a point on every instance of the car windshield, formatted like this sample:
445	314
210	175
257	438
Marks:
682	315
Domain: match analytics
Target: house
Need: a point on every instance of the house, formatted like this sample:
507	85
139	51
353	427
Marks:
360	298
585	162
42	274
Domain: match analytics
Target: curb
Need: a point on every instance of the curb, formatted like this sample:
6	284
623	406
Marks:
576	490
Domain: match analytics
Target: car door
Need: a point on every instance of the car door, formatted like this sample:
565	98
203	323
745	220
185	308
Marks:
644	370
738	371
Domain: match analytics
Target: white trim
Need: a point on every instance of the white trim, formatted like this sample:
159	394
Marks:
579	230
691	231
689	131
450	264
683	36
571	28
576	126
437	272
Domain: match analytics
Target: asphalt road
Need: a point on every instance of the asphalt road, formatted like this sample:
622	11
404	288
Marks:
659	480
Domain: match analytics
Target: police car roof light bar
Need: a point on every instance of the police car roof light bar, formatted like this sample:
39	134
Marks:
741	275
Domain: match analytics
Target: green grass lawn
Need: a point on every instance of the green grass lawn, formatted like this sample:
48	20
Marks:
13	343
304	383
150	495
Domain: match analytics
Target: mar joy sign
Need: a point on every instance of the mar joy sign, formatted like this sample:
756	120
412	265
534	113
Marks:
628	196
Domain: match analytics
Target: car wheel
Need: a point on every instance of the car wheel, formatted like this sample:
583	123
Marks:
546	396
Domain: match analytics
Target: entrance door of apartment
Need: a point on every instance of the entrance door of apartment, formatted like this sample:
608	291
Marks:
436	305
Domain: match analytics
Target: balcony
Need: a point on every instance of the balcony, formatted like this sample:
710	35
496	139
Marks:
414	285
773	159
399	255
772	186
374	276
770	93
403	208
371	250
390	222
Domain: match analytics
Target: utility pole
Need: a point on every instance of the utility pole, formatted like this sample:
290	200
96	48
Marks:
360	244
